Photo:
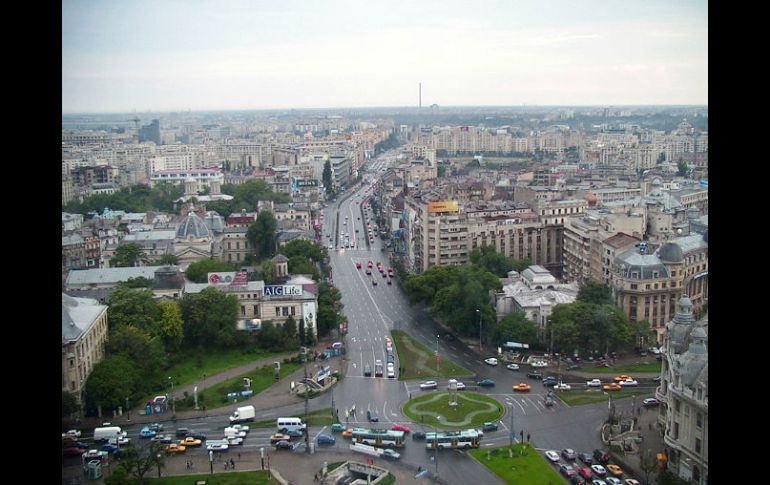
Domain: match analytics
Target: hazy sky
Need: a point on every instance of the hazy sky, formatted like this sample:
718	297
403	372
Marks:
166	55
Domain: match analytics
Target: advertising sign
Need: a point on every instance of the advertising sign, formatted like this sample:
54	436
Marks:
443	206
282	290
221	278
307	183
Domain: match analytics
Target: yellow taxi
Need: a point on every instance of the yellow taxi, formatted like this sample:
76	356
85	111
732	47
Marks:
612	387
175	448
623	378
348	433
615	470
522	387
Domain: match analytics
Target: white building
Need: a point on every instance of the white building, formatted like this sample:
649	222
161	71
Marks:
535	292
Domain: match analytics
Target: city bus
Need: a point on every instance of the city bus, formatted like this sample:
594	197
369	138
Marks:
379	437
467	438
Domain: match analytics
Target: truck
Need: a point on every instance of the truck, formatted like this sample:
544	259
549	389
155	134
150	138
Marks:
243	414
108	433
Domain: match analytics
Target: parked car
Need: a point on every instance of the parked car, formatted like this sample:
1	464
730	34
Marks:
631	481
491	361
284	445
429	385
585	472
577	480
613	481
486	383
325	439
586	458
614	470
569	454
552	455
567	470
594	383
512	366
598	470
601	456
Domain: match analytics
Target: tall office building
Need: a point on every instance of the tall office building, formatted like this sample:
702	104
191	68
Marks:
150	132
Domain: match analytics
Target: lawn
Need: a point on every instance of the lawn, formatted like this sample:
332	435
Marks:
258	477
216	395
526	467
474	409
625	368
419	361
578	398
319	417
192	368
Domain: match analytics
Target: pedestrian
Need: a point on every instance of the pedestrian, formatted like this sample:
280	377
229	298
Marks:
315	478
527	437
226	465
232	464
239	457
187	464
192	465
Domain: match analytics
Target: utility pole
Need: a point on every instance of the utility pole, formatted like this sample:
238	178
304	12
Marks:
512	428
481	348
307	397
437	337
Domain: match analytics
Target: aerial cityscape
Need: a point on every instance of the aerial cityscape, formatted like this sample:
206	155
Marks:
302	243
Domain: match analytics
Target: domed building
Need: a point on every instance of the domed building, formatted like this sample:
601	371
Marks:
194	241
683	393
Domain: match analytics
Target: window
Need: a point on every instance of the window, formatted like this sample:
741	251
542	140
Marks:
243	311
634	286
699	419
677	405
697	445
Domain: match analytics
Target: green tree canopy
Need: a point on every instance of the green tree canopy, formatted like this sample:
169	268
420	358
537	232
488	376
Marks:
138	463
137	198
138	282
69	404
682	169
198	271
209	319
515	327
128	255
327	180
133	307
146	351
262	235
301	247
166	259
110	382
596	293
588	327
302	265
171	325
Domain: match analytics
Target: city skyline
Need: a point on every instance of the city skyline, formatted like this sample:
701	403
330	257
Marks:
179	56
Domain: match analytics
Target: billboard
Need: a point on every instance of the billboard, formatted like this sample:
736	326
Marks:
282	290
307	183
443	206
240	278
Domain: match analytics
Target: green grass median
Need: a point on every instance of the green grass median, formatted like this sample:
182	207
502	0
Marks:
258	477
419	361
578	398
472	411
625	368
521	466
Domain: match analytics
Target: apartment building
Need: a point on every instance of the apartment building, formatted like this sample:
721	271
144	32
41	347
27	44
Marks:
84	333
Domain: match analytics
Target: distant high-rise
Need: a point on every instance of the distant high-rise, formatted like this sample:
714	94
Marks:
150	132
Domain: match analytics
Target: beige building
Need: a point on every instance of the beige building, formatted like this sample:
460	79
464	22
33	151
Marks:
83	335
297	214
683	393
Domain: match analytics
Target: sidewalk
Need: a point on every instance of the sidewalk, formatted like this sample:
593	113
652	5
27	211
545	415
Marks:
652	443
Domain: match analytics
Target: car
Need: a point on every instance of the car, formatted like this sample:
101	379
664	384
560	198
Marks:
240	428
629	382
569	454
418	435
577	480
613	481
325	439
374	282
567	470
535	374
390	282
631	481
155	427
401	427
598	470
612	387
586	458
73	451
234	441
486	383
146	432
367	370
573	367
460	386
390	358
539	364
295	433
429	385
491	361
562	387
552	455
512	366
337	428
522	387
358	265
279	437
218	447
371	415
182	432
655	350
596	481
650	402
601	456
72	434
390	454
163	438
615	470
175	448
585	472
622	378
75	444
348	433
594	383
110	448
190	441
489	426
284	445
549	382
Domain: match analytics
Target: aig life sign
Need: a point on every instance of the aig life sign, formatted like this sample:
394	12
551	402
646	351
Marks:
282	290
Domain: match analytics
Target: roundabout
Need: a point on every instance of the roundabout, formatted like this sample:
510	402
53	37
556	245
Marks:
471	410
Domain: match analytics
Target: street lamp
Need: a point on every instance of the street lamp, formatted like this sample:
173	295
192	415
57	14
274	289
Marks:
128	410
173	402
437	337
158	462
481	349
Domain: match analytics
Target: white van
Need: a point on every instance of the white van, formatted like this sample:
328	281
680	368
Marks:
108	433
285	424
391	371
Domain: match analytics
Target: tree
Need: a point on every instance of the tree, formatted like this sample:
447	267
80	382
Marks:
661	158
110	382
209	319
595	292
135	307
170	325
138	282
198	272
301	247
289	330
139	463
648	464
302	334
327	180
69	404
268	272
682	169
261	235
515	327
302	265
142	348
166	259
441	171
128	255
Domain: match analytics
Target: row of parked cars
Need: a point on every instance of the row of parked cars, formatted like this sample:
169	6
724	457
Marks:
595	468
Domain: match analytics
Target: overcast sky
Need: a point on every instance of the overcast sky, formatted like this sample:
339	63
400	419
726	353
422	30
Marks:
168	55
